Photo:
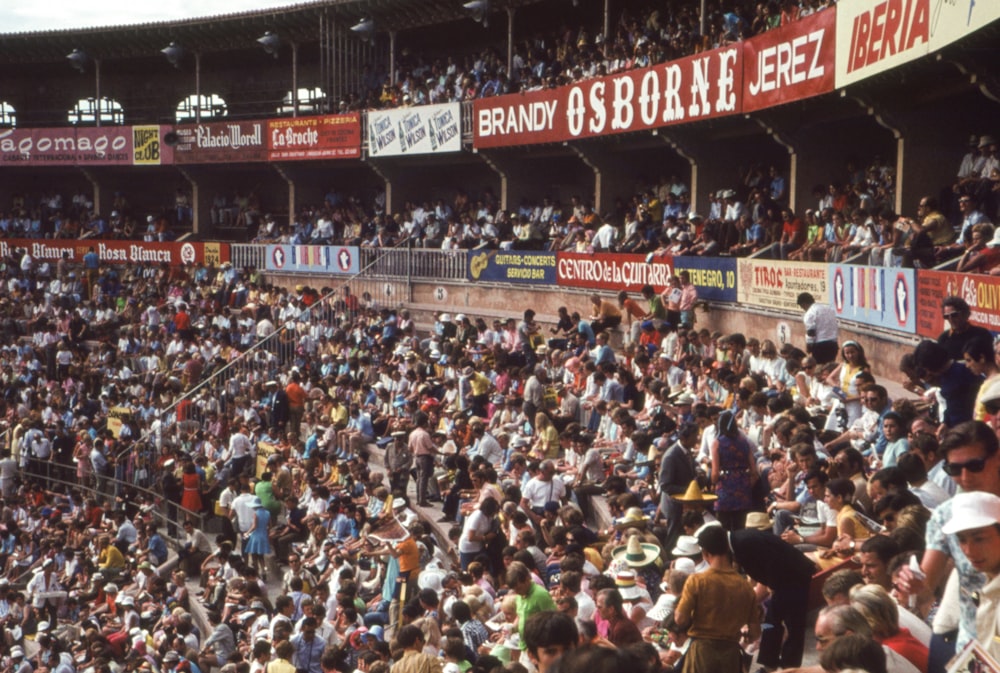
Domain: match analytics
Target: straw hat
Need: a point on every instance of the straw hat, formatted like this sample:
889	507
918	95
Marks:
625	582
758	521
695	494
634	517
636	554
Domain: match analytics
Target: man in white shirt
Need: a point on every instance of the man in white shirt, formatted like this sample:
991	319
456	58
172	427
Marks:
542	488
820	321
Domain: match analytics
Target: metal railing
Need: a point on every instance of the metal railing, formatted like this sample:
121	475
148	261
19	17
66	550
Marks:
234	386
395	263
169	516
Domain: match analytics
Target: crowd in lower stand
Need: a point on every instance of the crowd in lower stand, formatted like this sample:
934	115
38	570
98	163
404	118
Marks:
293	520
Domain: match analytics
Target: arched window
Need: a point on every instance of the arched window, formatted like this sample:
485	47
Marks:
86	111
311	101
212	106
8	115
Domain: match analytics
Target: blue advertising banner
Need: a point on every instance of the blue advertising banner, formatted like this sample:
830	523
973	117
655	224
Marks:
874	295
715	277
312	259
513	266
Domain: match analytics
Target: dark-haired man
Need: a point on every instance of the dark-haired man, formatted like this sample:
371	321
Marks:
715	605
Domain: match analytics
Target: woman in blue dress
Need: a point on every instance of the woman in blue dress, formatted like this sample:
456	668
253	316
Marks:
257	544
734	472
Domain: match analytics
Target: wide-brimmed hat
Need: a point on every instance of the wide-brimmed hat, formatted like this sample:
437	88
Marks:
634	517
625	583
695	494
665	605
636	554
256	503
758	520
687	545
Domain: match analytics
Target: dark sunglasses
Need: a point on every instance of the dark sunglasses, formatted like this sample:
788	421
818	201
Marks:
975	466
949	316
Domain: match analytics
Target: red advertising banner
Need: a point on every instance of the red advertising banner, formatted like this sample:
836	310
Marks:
221	142
612	272
702	86
67	146
325	137
790	63
120	252
981	292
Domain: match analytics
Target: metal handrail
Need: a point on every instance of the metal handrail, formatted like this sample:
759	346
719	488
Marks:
264	345
158	498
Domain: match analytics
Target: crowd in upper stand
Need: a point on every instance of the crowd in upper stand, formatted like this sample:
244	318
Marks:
651	34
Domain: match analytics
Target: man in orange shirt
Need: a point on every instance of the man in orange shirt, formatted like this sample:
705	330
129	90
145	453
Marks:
296	403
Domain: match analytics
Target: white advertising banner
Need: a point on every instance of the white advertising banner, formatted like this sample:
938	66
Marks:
873	37
951	20
428	129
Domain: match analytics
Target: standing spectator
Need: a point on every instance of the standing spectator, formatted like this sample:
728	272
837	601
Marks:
257	544
296	403
531	597
423	449
689	295
715	606
787	572
820	321
734	472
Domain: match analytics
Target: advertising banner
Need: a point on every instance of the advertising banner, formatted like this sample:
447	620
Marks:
120	252
715	277
981	292
612	272
873	37
774	284
148	148
790	63
513	266
874	295
427	129
221	142
703	86
951	21
312	259
324	137
66	146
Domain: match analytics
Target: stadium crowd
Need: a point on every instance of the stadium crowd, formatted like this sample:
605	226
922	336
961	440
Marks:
733	473
640	37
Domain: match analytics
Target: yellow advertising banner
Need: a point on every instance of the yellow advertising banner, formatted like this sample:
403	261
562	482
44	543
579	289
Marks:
146	145
774	284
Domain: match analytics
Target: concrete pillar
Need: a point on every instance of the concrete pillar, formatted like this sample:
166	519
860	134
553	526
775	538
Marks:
612	174
196	204
287	175
96	190
385	174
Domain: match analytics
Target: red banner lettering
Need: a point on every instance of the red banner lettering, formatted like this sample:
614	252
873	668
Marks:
612	271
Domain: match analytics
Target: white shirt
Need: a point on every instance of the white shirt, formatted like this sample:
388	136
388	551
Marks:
538	492
821	324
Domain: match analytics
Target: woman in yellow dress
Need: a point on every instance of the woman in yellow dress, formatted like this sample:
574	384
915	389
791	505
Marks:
850	529
845	377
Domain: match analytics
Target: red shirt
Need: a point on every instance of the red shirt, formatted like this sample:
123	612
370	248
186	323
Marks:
905	644
296	395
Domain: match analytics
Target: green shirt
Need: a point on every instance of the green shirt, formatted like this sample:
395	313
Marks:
537	600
